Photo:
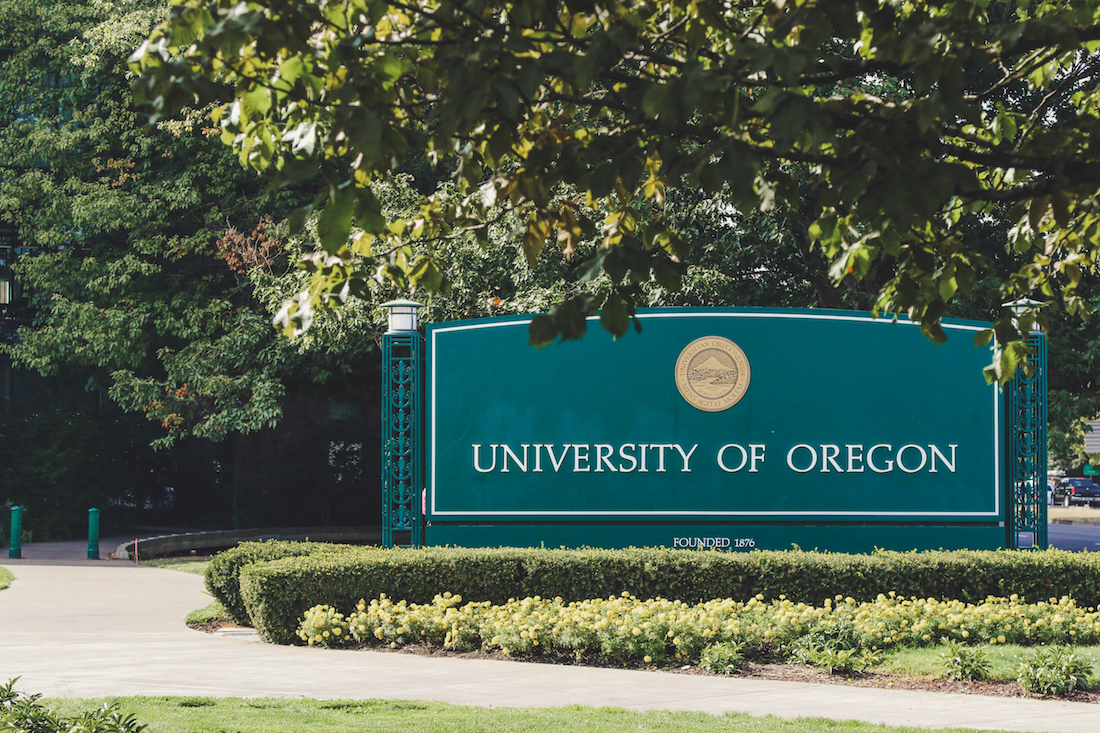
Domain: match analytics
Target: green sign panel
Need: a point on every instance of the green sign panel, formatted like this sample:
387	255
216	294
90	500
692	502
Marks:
1091	470
727	428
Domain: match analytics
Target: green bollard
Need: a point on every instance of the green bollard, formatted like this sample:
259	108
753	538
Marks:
93	534
15	547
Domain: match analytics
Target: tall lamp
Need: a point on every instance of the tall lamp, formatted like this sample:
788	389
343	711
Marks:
402	427
1026	404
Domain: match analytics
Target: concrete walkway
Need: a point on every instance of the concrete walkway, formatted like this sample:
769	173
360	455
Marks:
80	628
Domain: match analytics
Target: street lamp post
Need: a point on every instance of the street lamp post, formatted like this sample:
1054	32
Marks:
1026	424
402	427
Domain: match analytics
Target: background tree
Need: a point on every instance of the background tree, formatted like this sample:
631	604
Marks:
139	294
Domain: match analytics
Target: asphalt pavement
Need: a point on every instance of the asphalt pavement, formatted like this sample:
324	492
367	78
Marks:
78	628
1075	537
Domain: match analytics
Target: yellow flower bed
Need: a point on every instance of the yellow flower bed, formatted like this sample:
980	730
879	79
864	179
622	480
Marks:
627	629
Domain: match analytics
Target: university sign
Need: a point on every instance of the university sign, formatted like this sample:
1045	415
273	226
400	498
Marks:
728	429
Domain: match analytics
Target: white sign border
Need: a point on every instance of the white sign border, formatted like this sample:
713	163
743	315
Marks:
435	332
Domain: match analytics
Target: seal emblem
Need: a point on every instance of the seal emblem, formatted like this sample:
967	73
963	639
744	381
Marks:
712	373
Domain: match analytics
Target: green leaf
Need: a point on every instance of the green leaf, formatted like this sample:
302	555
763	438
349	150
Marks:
425	273
368	212
334	223
290	69
590	269
615	315
255	103
542	331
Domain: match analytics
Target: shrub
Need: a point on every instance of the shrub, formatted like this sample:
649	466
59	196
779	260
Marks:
961	662
223	573
276	594
835	645
1053	671
724	658
838	661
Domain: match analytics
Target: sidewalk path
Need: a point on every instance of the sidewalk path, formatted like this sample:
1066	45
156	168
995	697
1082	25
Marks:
111	628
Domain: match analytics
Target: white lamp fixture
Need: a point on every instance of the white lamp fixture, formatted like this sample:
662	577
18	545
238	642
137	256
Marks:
402	315
1020	306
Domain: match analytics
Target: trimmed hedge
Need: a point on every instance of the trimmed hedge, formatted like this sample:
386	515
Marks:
276	594
223	573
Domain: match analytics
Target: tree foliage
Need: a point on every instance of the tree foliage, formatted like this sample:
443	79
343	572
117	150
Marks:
581	118
135	229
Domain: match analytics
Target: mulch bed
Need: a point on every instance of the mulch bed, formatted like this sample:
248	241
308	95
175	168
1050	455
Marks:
784	672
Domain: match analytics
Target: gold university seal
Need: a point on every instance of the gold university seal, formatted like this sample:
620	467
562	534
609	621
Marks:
712	373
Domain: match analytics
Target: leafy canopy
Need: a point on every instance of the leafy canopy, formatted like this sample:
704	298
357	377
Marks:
129	283
579	117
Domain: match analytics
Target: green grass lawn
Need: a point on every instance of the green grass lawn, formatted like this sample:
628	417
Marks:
195	565
214	612
5	578
211	715
1002	661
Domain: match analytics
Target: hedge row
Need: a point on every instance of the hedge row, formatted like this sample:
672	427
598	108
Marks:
224	572
277	593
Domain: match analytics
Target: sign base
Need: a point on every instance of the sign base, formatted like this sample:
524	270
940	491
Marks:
852	538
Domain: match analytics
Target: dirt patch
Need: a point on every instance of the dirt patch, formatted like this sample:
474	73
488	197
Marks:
1073	514
783	672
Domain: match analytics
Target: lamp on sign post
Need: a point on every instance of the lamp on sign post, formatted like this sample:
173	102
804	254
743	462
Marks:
402	315
1021	306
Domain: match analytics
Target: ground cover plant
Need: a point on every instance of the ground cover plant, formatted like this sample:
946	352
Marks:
630	628
5	578
209	715
1053	671
839	636
961	662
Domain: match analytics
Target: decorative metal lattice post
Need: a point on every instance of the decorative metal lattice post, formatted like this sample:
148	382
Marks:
1026	433
402	428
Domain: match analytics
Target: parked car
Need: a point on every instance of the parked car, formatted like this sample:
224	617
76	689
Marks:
1070	491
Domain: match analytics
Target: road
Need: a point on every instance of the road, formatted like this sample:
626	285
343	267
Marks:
1074	537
